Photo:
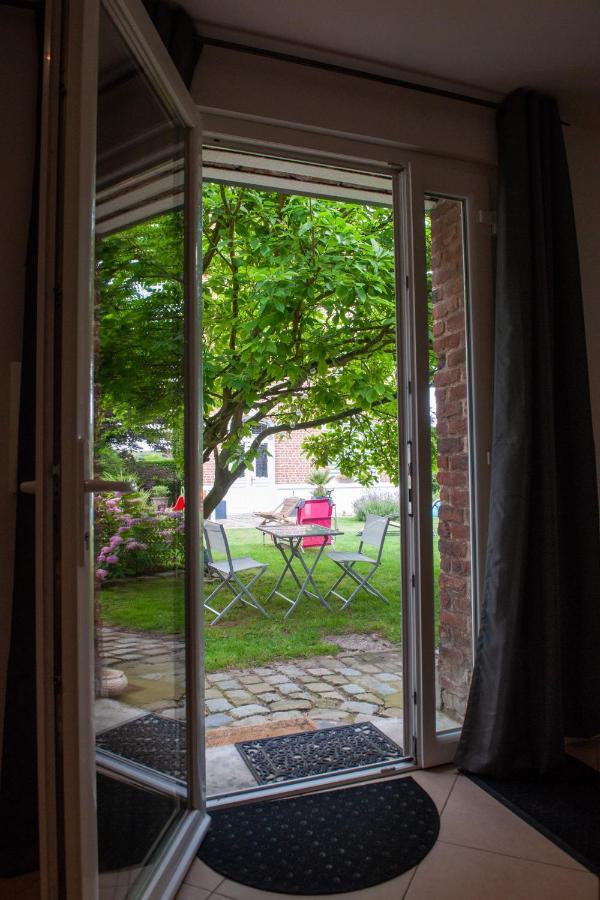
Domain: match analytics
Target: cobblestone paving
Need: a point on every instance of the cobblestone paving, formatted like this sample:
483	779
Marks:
333	688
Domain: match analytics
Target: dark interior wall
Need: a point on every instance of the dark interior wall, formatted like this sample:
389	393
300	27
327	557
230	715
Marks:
18	74
583	152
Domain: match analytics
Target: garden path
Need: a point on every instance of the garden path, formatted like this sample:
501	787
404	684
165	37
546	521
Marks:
355	685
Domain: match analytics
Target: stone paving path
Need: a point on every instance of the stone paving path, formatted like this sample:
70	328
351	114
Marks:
334	688
355	685
337	689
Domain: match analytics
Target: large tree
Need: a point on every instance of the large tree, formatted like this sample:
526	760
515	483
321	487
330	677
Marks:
299	331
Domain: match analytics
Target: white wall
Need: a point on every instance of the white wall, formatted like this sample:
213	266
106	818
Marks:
18	80
246	499
282	93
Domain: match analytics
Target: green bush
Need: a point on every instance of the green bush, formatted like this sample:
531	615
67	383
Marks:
152	471
131	538
376	504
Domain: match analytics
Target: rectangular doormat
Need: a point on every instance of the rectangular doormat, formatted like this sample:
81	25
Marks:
151	741
275	759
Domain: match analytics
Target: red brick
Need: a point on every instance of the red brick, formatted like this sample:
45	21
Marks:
459	461
457	425
457	357
450	513
443	307
453	548
457	391
452	479
449	445
460	498
460	566
455	322
448	377
447	342
446	410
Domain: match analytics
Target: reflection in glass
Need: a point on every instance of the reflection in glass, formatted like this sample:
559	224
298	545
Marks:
137	407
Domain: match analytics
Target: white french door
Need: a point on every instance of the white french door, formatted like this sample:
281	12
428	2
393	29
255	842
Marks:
122	142
448	356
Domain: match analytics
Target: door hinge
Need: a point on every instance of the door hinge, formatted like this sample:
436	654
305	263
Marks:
414	747
412	579
409	470
415	697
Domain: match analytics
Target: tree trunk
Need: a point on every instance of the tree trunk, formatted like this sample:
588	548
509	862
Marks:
224	478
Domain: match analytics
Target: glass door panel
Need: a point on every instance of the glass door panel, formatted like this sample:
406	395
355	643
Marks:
451	415
139	546
301	406
450	458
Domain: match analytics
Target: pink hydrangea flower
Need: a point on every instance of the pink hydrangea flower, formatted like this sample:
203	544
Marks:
112	559
135	545
101	574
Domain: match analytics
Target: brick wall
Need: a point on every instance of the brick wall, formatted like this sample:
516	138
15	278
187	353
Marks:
291	467
449	343
208	472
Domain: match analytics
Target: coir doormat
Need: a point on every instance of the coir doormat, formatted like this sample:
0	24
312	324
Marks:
324	843
565	807
304	754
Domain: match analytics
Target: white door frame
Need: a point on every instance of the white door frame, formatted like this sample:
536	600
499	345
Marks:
66	745
447	179
415	175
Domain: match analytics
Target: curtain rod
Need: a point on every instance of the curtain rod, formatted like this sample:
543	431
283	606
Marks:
355	73
347	70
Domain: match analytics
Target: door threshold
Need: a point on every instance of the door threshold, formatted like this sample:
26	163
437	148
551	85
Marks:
311	785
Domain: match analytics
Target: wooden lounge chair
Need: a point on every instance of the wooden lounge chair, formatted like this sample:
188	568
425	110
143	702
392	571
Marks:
282	514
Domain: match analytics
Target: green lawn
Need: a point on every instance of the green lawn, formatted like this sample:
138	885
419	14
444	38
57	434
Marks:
244	636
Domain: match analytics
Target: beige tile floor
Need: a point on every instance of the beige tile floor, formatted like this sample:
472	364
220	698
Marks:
484	852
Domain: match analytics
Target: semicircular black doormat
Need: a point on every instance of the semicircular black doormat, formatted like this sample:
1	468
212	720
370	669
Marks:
324	843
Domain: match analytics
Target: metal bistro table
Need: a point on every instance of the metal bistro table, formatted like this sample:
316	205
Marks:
288	540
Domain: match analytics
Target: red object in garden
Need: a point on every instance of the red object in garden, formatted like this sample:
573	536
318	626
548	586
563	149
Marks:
315	512
179	504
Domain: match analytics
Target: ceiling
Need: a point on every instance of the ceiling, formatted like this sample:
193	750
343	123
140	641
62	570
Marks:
551	45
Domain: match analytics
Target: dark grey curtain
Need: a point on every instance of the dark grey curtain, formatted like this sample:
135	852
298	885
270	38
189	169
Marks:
537	676
178	34
18	781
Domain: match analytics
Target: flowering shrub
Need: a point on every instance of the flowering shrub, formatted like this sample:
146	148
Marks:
132	539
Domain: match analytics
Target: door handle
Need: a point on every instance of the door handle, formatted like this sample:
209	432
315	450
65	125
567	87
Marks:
99	485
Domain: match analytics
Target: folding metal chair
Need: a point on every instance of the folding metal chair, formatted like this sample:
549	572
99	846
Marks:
373	535
228	570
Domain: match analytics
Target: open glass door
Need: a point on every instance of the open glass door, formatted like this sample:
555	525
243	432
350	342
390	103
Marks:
301	476
129	788
450	435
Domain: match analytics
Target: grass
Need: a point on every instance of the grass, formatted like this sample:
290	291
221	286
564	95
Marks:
244	636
